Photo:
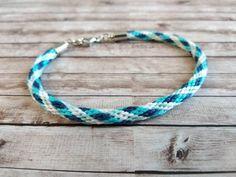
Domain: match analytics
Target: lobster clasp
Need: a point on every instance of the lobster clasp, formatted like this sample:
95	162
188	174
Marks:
85	42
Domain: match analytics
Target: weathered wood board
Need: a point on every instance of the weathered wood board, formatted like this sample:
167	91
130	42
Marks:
22	110
130	149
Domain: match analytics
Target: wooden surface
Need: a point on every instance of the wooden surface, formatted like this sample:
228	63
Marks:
195	139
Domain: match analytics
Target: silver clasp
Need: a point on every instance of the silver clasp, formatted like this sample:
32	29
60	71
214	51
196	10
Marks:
85	42
108	37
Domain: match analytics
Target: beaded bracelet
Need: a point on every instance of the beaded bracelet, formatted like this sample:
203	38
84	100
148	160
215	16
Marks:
125	115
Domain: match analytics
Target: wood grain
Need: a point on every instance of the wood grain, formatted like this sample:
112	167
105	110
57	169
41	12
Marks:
118	16
118	84
124	49
56	3
196	111
117	6
198	31
118	148
119	65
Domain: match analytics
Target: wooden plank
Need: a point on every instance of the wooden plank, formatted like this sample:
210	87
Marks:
114	6
195	111
116	16
121	65
118	84
43	173
199	31
119	148
124	49
50	3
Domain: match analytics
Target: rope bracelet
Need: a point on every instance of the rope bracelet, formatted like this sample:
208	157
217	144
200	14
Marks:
125	115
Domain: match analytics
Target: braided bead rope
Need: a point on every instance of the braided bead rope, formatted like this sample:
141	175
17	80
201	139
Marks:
127	114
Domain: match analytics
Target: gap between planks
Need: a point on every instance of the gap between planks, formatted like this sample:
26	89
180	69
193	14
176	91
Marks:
18	172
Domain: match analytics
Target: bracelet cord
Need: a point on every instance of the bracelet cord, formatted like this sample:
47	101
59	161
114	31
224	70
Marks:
129	114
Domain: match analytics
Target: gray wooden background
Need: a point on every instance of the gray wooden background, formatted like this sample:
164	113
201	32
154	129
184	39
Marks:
197	138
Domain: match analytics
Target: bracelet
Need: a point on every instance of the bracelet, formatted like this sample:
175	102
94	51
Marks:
125	115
